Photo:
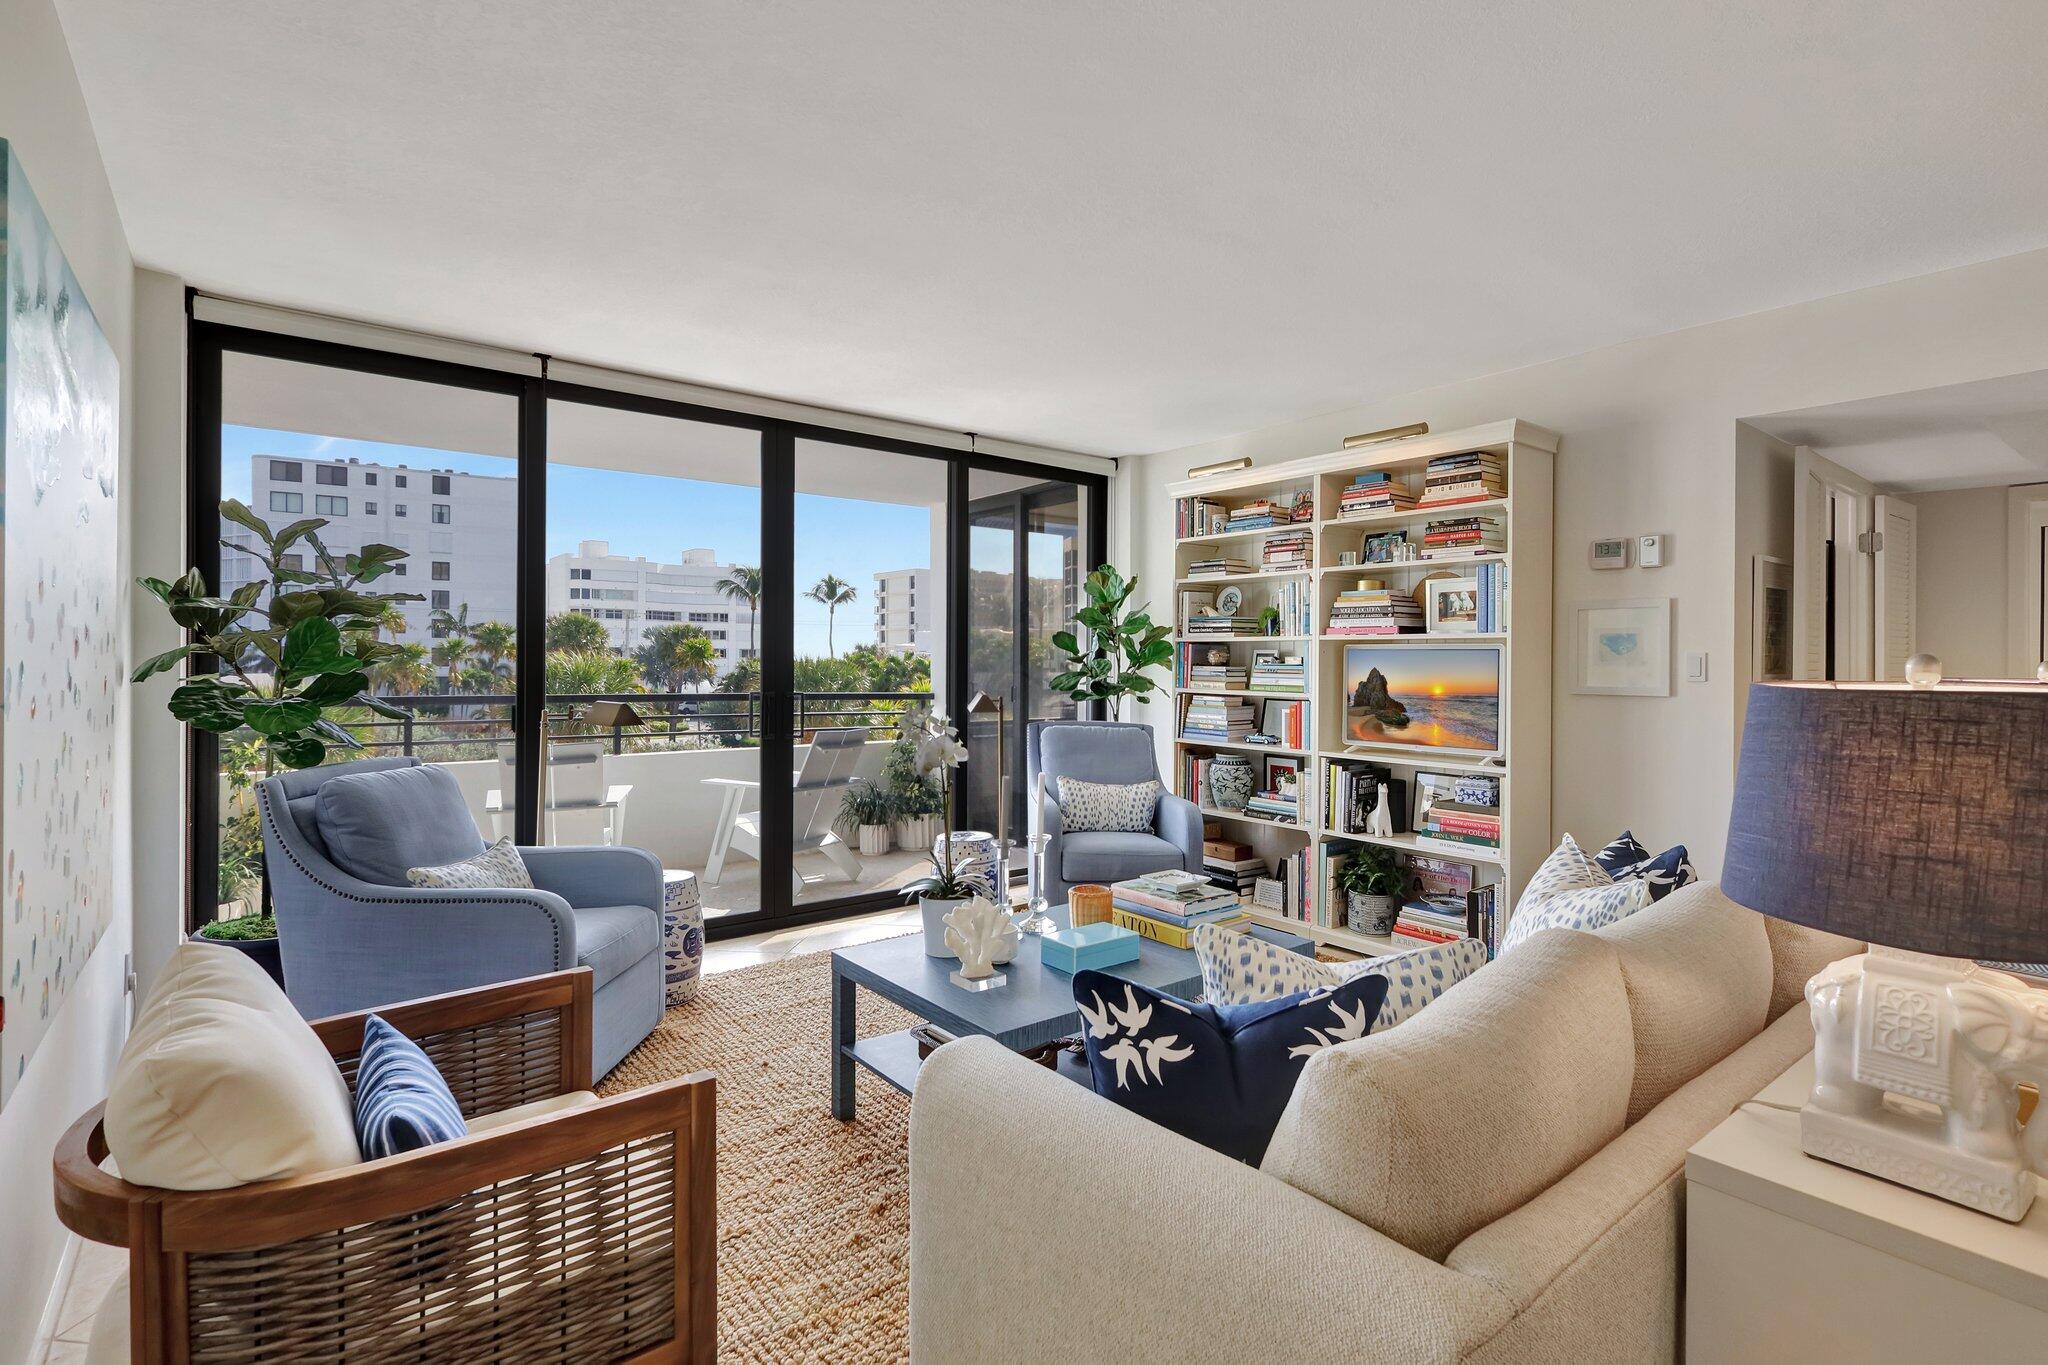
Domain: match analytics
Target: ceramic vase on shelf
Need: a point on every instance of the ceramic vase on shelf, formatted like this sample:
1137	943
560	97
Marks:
1230	781
934	913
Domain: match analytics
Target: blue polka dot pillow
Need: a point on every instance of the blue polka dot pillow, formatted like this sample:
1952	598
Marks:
1572	891
1238	969
1126	807
1625	857
402	1103
1219	1075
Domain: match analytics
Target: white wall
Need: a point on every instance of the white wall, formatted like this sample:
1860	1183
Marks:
1961	598
1649	433
42	112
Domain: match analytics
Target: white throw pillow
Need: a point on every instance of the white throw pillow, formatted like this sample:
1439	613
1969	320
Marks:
1126	807
1238	969
221	1083
1571	891
498	867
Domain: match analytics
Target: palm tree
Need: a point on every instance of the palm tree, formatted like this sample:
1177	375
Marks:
835	592
495	641
388	619
572	630
743	584
452	629
676	657
404	674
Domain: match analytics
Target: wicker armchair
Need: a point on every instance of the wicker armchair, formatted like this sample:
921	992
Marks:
578	1235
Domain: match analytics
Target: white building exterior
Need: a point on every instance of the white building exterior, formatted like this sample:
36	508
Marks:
906	612
459	530
631	594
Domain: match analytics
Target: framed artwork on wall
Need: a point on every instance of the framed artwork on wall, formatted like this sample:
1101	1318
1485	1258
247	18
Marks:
1770	618
1622	648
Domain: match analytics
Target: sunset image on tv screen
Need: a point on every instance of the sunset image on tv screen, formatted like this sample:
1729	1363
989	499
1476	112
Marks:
1431	698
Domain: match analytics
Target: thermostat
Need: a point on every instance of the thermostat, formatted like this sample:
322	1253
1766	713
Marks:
1650	551
1610	554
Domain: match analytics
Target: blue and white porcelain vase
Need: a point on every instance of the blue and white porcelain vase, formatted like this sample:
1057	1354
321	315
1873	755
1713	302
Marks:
1230	781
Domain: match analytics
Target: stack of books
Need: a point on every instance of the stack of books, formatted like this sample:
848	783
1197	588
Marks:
1283	806
1212	625
1287	675
1474	476
1377	491
1232	865
1211	677
1218	566
1166	906
1482	917
1493	597
1458	824
1255	515
1463	537
1200	517
1289	550
1372	608
1218	719
1436	913
1294	599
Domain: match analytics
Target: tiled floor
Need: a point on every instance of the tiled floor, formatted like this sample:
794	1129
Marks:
96	1268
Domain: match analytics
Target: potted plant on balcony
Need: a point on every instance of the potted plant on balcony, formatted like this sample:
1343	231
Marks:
283	661
938	752
916	798
1372	880
864	815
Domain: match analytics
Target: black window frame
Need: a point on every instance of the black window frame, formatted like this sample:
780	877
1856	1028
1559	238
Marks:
209	342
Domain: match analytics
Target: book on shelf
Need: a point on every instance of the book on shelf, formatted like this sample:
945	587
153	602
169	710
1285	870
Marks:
1470	477
1375	491
1216	718
1287	674
1222	627
1286	722
1351	791
1372	608
1171	935
1492	578
1288	550
1463	536
1284	894
1482	918
1182	897
1218	566
1439	888
1458	811
1199	517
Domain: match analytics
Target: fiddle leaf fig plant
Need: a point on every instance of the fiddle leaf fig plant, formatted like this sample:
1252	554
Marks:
280	668
1121	644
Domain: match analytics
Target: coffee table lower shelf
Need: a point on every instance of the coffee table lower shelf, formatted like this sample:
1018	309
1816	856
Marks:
893	1057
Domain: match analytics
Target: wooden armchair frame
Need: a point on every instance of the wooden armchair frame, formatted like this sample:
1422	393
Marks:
583	1234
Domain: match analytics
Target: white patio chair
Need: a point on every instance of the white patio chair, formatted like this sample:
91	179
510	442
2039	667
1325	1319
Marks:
828	770
581	805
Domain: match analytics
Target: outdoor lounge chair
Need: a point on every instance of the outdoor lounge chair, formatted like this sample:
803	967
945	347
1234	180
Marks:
827	771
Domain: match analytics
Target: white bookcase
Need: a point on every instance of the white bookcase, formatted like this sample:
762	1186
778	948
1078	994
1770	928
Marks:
1522	764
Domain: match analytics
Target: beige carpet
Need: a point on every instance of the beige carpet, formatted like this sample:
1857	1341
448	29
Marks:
813	1214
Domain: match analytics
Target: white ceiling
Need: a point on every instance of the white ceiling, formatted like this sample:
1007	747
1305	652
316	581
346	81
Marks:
1993	433
1108	227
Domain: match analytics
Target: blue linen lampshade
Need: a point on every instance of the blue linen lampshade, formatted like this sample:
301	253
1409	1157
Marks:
1909	817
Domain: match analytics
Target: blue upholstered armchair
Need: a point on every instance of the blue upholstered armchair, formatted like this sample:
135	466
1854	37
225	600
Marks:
354	936
1103	751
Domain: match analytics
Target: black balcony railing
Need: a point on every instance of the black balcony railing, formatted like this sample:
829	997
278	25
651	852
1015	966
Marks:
450	728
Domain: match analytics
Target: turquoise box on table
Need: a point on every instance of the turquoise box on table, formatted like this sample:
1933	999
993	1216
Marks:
1091	945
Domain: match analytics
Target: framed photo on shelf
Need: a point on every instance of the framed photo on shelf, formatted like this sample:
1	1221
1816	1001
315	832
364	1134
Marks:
1265	656
1386	547
1450	606
1622	648
1283	775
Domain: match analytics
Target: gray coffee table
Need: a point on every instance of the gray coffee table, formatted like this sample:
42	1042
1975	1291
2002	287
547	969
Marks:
1036	1005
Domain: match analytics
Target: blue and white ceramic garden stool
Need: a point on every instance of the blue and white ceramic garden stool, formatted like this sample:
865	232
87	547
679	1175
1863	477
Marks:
682	936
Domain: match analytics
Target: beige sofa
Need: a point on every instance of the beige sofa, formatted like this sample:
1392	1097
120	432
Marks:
1497	1179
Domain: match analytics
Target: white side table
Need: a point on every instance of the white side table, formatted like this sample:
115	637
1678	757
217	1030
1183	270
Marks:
682	936
1792	1258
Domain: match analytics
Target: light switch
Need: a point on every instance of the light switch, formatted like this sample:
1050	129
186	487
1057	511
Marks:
1695	666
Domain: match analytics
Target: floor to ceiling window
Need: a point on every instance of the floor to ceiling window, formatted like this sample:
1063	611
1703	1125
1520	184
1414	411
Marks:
716	625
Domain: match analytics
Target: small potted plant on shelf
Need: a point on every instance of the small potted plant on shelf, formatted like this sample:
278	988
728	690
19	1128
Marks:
938	751
916	797
864	815
287	660
1372	880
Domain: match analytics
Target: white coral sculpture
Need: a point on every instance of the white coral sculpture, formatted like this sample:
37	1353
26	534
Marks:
979	933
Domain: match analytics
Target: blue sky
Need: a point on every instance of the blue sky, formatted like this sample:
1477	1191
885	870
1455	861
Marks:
658	517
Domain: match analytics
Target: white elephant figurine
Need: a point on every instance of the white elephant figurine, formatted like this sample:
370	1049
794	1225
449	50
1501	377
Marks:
1950	1035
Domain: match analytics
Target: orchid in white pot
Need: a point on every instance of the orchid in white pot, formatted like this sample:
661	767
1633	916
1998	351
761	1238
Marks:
938	752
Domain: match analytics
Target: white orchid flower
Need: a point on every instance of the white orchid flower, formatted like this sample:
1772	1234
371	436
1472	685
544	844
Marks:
937	752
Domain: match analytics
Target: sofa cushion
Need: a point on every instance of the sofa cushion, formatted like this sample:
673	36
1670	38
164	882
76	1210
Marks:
1126	806
498	866
1570	890
377	825
221	1083
1625	858
1217	1075
402	1104
1114	856
1430	1131
1698	971
1238	969
1797	955
611	938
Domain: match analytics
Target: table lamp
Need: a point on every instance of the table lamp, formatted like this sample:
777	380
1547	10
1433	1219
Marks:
1914	817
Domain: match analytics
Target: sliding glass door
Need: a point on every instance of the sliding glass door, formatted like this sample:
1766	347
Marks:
716	626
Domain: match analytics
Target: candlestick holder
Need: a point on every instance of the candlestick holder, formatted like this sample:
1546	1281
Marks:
1038	919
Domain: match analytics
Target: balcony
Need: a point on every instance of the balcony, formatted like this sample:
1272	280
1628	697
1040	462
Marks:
674	807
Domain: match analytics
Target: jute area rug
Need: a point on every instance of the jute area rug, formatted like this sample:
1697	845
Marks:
813	1214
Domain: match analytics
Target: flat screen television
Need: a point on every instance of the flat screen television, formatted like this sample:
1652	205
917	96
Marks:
1439	698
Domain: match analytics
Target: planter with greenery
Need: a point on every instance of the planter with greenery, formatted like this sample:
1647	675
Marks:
1373	882
864	814
274	670
938	752
917	801
1121	643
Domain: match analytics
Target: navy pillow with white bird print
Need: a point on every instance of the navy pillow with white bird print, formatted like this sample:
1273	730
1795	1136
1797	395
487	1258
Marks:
1217	1075
1626	858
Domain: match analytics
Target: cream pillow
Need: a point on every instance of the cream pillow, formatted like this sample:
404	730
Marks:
221	1083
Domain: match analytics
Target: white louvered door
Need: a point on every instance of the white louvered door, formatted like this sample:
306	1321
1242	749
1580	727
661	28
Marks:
1898	570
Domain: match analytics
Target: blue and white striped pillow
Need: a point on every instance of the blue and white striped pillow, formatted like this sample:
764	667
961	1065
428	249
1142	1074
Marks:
402	1103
